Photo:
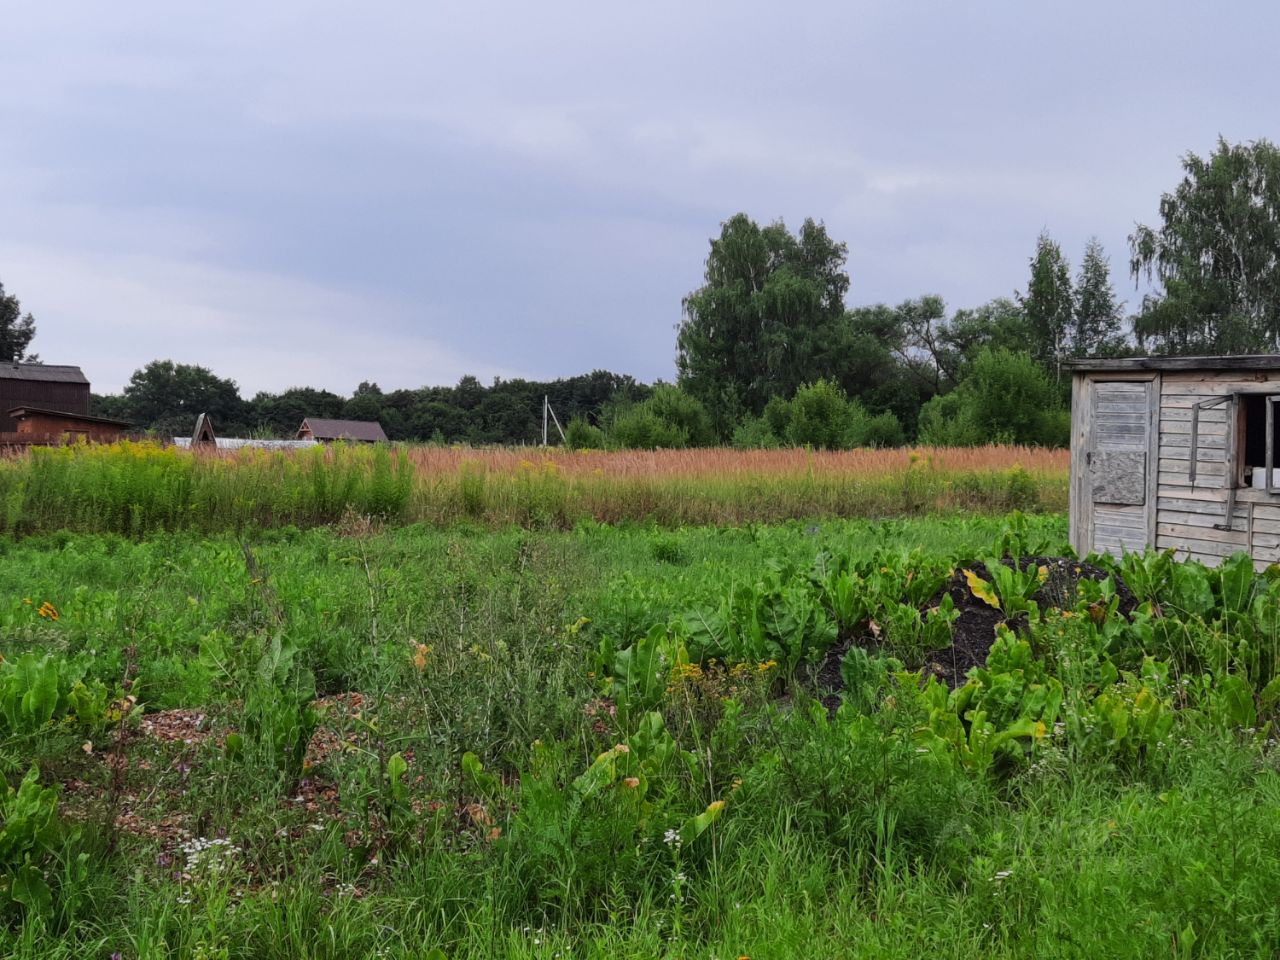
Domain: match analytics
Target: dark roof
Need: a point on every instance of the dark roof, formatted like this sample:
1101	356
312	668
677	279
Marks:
42	372
1261	361
369	430
18	413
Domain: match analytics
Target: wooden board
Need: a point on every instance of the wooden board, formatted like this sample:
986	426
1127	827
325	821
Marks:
1118	477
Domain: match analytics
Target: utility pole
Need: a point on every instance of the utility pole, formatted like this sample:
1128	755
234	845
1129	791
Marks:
546	410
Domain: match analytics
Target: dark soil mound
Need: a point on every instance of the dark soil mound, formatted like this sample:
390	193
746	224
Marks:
975	628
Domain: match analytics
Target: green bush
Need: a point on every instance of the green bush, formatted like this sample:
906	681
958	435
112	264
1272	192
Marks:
675	407
821	416
669	419
754	433
581	435
1006	398
641	429
882	430
36	692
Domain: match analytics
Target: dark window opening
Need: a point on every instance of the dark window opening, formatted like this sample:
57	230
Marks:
1252	427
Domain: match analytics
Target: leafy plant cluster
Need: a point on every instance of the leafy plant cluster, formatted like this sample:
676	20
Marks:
464	743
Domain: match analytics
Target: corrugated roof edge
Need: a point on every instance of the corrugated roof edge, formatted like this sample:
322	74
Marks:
1259	361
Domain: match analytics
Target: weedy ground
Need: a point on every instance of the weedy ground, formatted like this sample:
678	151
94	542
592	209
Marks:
374	740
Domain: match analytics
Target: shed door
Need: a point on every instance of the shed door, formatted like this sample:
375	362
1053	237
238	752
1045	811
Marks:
1117	461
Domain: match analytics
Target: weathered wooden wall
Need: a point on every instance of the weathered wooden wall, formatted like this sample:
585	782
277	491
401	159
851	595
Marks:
1188	512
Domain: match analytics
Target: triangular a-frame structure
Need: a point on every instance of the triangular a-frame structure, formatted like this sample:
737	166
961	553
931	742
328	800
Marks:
203	435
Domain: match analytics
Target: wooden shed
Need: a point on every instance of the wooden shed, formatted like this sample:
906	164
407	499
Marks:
48	386
1176	452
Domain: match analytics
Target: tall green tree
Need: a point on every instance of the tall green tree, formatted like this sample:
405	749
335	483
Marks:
167	397
999	324
766	318
16	330
280	414
869	364
1097	321
1216	253
1048	302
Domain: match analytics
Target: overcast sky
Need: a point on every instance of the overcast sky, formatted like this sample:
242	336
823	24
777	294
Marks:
322	193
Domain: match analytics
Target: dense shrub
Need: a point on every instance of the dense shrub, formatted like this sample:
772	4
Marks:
882	430
1007	398
754	433
668	419
580	435
820	415
639	428
673	406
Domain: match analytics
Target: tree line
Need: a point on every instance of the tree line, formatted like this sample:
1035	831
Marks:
769	353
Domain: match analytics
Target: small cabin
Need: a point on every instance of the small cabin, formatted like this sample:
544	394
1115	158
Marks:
39	426
351	431
1176	453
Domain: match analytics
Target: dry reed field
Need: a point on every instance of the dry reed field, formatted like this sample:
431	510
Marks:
724	462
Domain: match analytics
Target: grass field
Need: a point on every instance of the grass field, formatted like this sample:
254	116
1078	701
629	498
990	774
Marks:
454	740
136	489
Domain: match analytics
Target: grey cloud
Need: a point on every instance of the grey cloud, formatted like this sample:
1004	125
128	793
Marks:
513	189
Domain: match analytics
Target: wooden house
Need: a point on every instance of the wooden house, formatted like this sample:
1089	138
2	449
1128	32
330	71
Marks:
43	386
39	426
326	431
1176	452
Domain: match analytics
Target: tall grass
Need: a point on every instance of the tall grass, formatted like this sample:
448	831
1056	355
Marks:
136	488
133	488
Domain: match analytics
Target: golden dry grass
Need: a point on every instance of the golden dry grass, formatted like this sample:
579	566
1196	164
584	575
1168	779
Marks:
725	462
